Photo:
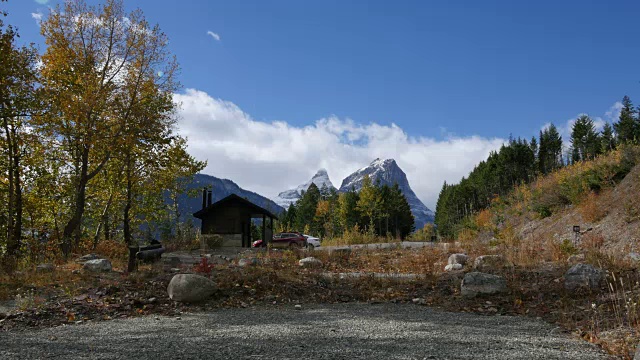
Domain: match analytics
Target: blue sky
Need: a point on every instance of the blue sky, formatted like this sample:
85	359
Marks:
440	71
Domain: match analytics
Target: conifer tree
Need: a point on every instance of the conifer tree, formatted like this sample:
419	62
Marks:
607	138
627	126
584	139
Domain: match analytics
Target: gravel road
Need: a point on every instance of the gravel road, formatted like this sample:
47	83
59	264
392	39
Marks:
340	331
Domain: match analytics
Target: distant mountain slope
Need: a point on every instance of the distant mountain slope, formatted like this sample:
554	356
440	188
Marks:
389	173
220	188
321	178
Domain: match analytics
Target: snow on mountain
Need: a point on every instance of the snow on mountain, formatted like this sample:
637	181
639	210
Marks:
388	172
321	178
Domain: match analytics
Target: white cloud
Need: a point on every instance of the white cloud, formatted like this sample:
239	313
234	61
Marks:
270	157
37	16
213	35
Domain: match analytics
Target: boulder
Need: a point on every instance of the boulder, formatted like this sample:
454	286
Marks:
83	259
458	259
637	355
310	262
190	288
453	267
244	262
583	276
575	259
44	268
475	283
490	263
97	265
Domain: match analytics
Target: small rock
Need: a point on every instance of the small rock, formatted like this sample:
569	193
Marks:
475	283
157	318
453	267
152	300
45	268
178	318
244	262
575	259
583	276
633	256
175	270
190	288
97	265
637	356
419	301
298	307
458	259
310	262
75	272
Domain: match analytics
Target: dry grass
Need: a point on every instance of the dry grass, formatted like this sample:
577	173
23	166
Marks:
591	209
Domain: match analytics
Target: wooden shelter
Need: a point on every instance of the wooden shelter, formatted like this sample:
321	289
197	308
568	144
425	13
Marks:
230	218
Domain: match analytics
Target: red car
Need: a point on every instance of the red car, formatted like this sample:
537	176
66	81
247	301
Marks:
284	240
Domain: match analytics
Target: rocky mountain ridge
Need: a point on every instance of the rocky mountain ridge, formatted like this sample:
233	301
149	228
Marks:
288	197
387	172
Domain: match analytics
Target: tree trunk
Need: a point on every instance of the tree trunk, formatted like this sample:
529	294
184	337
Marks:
14	206
103	221
73	226
126	219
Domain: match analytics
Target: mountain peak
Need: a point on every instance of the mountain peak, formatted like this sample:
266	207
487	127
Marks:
387	172
320	179
321	172
381	162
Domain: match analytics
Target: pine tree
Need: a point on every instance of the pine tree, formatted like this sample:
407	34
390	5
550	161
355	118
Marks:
627	126
607	139
306	207
533	145
584	139
543	153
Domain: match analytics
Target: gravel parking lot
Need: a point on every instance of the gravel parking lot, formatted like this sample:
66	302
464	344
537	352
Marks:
339	331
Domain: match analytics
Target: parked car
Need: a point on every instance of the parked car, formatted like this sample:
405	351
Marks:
312	242
284	240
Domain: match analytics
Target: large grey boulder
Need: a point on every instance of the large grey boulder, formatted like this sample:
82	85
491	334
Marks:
453	267
583	276
310	262
190	288
475	283
458	259
44	268
490	263
637	355
97	265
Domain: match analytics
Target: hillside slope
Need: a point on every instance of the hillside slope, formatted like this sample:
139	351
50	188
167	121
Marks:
613	216
536	220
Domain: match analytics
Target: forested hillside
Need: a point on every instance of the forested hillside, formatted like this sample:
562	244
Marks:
522	162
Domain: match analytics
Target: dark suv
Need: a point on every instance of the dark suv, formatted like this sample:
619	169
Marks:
284	240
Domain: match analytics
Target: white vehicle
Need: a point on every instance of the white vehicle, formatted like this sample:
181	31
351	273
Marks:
312	242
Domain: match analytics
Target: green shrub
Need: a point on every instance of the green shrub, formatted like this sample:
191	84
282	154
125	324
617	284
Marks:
568	248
